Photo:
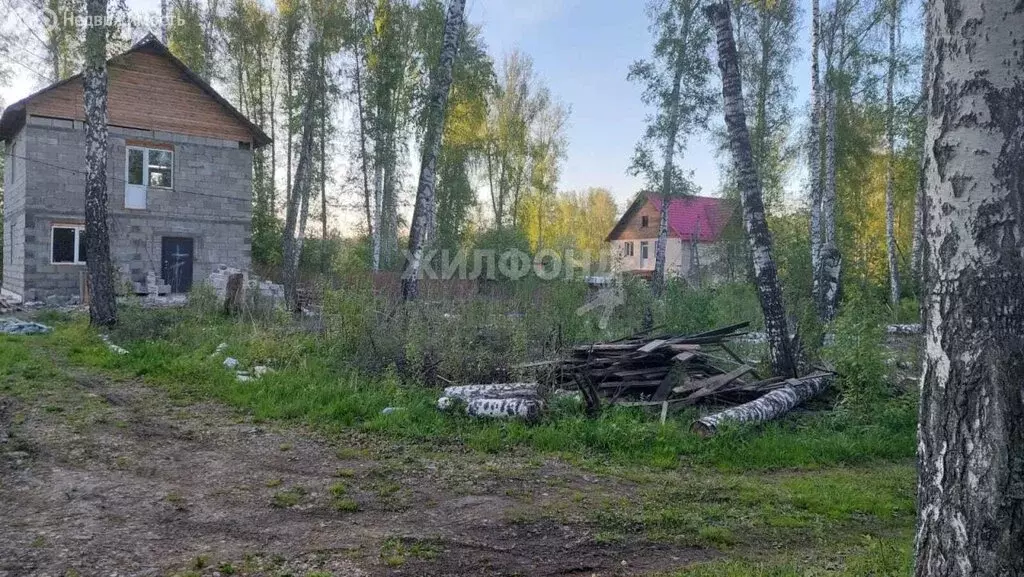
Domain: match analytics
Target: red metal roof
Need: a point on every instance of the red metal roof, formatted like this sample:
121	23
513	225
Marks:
688	216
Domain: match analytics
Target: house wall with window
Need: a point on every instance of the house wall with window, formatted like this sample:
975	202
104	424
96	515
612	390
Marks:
633	240
160	185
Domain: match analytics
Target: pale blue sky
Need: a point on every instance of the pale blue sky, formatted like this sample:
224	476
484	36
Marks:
582	49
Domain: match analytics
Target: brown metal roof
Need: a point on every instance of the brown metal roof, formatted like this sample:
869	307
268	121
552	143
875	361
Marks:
13	117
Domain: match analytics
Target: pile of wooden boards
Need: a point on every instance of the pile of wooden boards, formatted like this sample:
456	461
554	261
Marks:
674	371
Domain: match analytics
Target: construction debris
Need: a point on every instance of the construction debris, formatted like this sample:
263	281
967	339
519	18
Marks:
117	350
13	326
671	372
676	370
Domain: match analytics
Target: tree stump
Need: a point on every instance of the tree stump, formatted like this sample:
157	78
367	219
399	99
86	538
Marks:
234	294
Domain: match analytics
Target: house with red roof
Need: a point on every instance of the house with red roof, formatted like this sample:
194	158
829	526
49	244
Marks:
695	235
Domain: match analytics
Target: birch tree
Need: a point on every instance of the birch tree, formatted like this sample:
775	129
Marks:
814	138
297	209
971	438
424	215
766	33
463	141
675	82
102	303
781	348
890	145
917	232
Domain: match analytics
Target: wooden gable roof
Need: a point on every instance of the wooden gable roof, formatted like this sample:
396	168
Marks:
149	89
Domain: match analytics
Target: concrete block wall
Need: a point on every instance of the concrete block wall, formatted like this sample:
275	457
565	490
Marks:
14	216
210	202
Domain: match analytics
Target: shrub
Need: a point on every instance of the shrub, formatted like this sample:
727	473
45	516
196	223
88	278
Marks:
859	356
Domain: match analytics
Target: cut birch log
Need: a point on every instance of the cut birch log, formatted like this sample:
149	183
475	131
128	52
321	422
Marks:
769	407
528	409
494	391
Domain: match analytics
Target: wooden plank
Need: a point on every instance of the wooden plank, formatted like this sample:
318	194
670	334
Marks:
684	357
716	384
651	346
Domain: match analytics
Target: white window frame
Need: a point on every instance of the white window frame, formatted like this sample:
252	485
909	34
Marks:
645	248
79	233
145	186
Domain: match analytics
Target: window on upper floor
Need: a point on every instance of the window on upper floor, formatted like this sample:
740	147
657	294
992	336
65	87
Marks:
146	168
644	222
67	244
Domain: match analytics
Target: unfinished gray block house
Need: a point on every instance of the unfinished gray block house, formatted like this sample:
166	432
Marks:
179	176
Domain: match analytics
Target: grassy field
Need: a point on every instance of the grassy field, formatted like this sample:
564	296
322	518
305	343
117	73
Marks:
826	493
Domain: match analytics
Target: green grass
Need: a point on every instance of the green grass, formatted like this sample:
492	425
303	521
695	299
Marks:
796	497
313	386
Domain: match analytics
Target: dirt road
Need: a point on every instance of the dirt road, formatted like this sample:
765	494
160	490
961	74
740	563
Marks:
115	478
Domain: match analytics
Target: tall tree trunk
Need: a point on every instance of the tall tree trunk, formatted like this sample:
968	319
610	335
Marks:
423	219
971	432
323	168
289	72
780	347
672	131
378	202
363	158
102	302
917	234
163	21
830	260
298	200
815	149
890	176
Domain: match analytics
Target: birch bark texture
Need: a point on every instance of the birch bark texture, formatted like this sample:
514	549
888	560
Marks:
814	138
917	234
769	407
102	303
424	217
297	210
671	131
890	173
971	432
780	347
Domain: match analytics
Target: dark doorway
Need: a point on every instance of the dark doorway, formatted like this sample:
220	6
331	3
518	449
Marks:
177	255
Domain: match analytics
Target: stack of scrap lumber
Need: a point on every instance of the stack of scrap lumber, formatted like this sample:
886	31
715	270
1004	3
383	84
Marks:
672	370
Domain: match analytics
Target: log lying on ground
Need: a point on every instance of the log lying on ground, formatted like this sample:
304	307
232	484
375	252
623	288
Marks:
493	391
770	406
499	400
528	409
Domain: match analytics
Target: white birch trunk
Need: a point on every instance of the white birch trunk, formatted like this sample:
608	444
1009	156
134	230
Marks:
423	219
298	204
780	347
971	432
890	176
829	260
672	131
163	21
771	406
814	163
917	234
102	302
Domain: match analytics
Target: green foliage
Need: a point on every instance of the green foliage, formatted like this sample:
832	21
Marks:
186	37
322	380
859	357
676	83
